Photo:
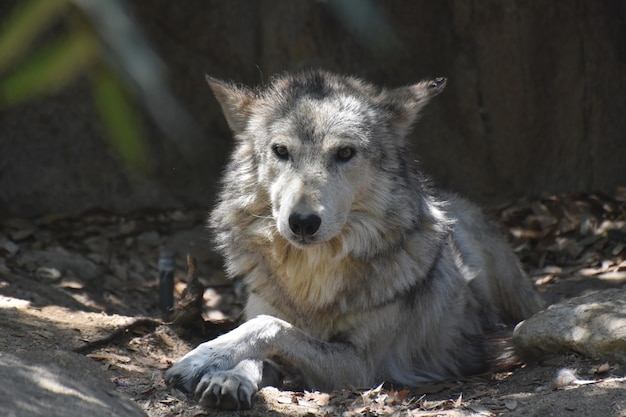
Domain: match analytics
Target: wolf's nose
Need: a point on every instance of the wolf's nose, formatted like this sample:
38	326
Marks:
304	225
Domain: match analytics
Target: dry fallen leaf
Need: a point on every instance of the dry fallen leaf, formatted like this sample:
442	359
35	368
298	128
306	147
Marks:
322	400
71	283
605	367
283	400
458	401
480	410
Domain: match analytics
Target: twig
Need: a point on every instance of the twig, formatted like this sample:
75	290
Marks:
96	343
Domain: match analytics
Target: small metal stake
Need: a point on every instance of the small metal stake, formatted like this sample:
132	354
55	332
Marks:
167	265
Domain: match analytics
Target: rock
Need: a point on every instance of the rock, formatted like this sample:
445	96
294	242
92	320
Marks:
593	325
4	269
8	246
150	238
97	244
62	261
46	274
19	229
54	383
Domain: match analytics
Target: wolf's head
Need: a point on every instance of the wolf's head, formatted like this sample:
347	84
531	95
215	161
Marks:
324	153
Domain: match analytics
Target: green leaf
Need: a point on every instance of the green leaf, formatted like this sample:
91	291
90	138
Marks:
24	23
50	68
120	118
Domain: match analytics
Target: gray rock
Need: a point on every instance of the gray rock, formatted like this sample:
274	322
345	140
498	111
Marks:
593	325
62	261
54	383
8	246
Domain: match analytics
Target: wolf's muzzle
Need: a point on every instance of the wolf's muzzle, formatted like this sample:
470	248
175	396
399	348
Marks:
304	225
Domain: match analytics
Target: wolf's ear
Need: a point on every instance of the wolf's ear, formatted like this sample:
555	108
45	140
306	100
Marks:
405	103
236	102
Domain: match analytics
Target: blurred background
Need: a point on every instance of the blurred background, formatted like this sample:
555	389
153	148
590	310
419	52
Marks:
103	104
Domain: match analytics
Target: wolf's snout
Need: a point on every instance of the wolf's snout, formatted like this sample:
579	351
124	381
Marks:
304	225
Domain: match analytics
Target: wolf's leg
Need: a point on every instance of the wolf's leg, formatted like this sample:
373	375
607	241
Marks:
223	365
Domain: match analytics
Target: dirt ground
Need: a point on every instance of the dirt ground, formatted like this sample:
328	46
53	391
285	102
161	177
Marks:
89	284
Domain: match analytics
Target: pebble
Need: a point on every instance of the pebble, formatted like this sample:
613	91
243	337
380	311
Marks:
63	261
510	404
128	227
151	238
44	273
8	246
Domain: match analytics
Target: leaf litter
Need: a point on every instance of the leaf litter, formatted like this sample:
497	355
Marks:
107	263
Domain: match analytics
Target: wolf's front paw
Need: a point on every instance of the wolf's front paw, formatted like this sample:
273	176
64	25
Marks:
204	359
228	390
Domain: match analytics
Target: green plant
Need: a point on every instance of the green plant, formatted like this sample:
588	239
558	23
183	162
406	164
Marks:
32	65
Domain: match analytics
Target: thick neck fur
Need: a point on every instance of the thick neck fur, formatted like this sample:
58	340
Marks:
330	276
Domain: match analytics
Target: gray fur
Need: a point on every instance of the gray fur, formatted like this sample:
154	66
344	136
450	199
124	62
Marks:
359	272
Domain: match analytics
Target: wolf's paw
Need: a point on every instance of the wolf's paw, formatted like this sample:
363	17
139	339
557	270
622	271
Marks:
206	358
228	390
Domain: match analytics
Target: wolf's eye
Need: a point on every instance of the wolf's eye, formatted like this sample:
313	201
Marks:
281	151
345	154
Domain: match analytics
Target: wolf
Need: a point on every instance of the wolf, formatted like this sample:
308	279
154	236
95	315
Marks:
359	270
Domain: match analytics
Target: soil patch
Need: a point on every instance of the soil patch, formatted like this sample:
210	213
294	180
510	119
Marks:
87	287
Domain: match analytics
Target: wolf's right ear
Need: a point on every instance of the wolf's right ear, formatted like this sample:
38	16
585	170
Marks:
236	102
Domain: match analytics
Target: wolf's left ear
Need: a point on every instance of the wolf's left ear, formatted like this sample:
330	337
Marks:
236	102
405	103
